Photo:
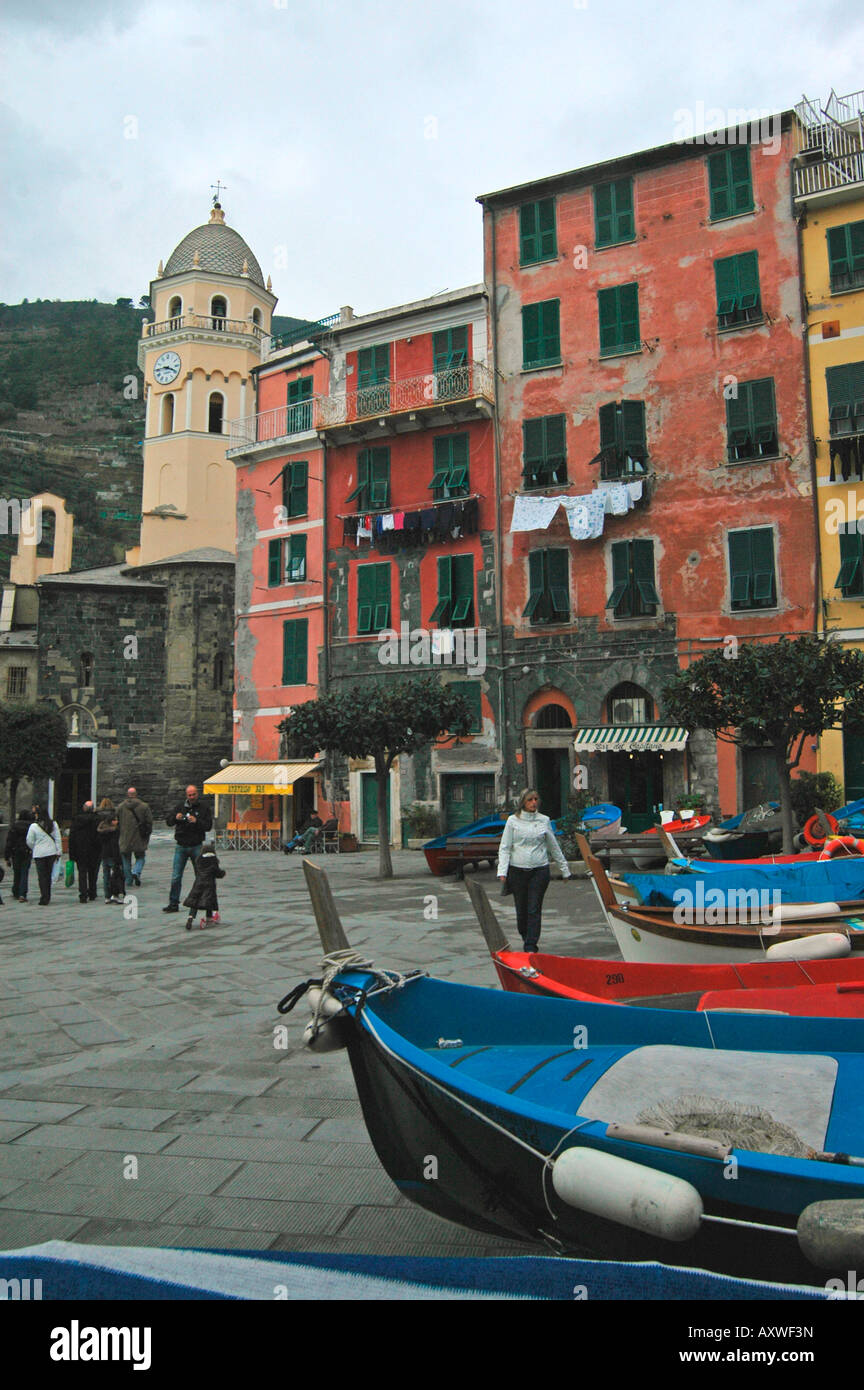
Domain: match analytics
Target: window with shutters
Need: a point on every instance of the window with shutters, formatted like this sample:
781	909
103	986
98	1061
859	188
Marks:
450	467
298	415
450	364
295	641
618	314
739	300
373	480
373	379
471	694
633	592
373	598
549	587
846	257
846	399
455	606
623	451
850	580
544	451
541	334
730	185
295	489
752	580
286	561
537	239
751	421
613	213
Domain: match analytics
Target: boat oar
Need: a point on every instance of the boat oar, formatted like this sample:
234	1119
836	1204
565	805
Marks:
489	924
330	927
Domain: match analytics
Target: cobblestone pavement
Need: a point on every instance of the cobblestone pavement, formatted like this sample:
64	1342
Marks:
134	1047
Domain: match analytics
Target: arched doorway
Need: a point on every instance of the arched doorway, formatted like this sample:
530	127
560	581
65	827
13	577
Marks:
548	721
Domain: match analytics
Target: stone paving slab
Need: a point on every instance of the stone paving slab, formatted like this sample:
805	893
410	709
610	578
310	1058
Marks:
18	1229
244	1214
169	1173
121	1117
90	1137
301	1182
35	1111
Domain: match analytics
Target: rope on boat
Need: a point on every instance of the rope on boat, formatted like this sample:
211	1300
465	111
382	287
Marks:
550	1160
333	965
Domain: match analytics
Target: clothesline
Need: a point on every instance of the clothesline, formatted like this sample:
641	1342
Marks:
585	514
385	511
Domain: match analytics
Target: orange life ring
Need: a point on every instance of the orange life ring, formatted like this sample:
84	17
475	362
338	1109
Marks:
842	844
813	832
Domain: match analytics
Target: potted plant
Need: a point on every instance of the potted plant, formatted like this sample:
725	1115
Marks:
422	823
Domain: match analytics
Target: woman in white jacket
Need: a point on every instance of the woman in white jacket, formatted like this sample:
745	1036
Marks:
523	864
43	837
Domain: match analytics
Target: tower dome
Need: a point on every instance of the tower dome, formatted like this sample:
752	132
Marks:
214	246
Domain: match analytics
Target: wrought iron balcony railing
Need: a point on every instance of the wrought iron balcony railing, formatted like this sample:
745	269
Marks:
212	322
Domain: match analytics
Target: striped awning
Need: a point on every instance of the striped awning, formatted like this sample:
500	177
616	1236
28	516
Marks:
258	779
630	738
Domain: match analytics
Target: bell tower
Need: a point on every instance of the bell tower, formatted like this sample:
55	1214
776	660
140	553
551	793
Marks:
212	315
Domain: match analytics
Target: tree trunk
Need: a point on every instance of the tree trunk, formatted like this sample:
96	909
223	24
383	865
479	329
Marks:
784	781
385	863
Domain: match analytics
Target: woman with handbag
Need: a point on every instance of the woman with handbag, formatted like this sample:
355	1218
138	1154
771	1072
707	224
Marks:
43	840
523	864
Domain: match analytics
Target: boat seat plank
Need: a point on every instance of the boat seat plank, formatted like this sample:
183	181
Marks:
535	1074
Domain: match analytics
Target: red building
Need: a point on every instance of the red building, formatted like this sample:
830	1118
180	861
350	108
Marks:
646	335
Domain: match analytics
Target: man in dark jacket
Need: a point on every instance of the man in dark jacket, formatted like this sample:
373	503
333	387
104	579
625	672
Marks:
85	848
190	821
17	854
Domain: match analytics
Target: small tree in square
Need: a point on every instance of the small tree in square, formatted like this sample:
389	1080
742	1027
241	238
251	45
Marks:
32	744
378	720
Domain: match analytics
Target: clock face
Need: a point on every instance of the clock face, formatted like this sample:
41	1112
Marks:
166	368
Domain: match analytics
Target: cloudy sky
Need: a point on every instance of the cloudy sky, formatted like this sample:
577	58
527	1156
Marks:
354	135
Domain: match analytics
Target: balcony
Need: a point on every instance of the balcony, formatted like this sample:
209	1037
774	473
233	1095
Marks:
192	324
829	159
436	398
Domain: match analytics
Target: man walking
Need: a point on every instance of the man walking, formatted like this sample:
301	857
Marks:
85	848
191	821
134	828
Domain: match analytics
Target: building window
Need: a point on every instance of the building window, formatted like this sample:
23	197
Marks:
175	307
449	349
167	414
16	683
373	598
286	561
455	606
613	213
544	451
549	587
739	300
373	379
295	488
256	317
633	592
218	671
295	639
471	694
629	704
851	577
298	415
752	582
846	257
218	312
537	240
623	451
85	669
450	468
846	398
553	717
618	313
373	479
215	413
541	334
729	183
751	421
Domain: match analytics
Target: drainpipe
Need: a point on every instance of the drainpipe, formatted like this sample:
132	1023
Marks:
499	595
818	617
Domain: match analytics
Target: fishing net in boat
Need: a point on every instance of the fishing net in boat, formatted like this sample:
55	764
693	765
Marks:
712	1117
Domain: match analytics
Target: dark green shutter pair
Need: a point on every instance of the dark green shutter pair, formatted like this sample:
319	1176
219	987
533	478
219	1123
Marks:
541	334
373	479
618	314
613	213
851	576
846	256
449	349
633	592
471	694
544	451
537	240
295	561
295	641
738	294
295	489
373	377
751	421
450	466
729	182
455	606
751	568
549	587
373	598
622	438
846	398
299	405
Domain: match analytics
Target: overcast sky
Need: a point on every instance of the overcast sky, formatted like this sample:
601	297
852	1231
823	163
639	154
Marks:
354	135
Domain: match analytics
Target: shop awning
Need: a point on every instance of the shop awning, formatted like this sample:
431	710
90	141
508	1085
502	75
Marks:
258	779
630	738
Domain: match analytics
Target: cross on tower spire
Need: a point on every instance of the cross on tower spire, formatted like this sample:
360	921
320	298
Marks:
218	186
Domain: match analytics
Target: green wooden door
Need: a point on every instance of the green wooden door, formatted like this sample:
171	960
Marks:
636	785
467	798
370	806
758	777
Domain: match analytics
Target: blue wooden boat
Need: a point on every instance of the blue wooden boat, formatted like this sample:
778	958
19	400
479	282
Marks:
750	833
555	1121
809	881
472	844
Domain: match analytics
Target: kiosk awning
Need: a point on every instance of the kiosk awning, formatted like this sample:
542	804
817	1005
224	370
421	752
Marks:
258	779
631	738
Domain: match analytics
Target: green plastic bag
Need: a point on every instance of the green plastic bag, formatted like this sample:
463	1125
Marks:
70	872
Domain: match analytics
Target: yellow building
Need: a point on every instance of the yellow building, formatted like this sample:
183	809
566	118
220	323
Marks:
828	192
212	315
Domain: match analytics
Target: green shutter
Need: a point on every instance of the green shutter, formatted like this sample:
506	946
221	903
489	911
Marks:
726	285
748	280
541	338
740	569
851	576
739	178
299	390
297	479
604	225
274	563
558	582
373	479
763	413
471	694
556	443
613	213
838	258
643	575
373	365
449	349
737	285
359	493
533	450
633	431
762	553
625	227
294	651
608	415
441	611
729	182
382	597
365	597
537	240
536	585
620	600
295	569
463	591
618	314
450	471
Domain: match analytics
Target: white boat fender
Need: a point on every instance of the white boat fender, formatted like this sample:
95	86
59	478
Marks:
627	1193
330	1005
831	1234
824	946
321	1034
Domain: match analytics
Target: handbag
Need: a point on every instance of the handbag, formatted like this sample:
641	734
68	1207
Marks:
70	872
